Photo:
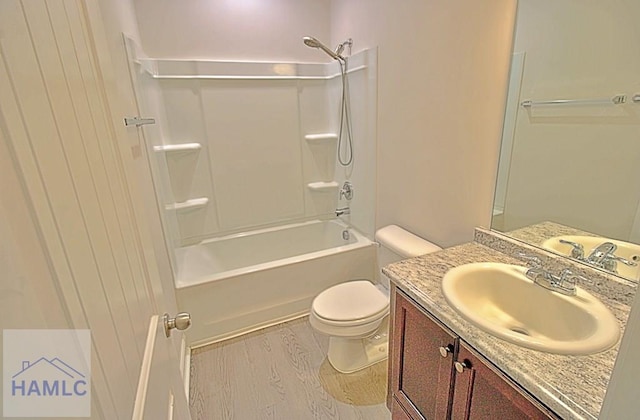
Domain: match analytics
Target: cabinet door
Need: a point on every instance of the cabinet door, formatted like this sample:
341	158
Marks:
482	392
398	412
422	378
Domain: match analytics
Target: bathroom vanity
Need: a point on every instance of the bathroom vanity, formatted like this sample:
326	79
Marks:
442	366
435	374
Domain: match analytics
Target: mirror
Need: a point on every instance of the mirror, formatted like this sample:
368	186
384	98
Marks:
570	156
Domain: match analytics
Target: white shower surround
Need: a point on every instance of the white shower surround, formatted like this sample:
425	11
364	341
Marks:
254	165
242	282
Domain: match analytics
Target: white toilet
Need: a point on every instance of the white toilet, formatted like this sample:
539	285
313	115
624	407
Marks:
355	314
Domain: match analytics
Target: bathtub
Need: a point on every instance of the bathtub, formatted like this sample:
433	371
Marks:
239	283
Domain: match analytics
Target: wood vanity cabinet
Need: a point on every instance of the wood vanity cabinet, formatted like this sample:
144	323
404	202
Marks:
425	382
421	378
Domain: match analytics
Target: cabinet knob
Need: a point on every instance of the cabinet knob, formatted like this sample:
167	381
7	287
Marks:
445	350
461	366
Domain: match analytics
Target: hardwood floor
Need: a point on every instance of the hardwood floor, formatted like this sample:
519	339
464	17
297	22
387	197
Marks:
282	373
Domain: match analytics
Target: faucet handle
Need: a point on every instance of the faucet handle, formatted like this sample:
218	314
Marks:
623	260
531	260
346	191
569	280
577	250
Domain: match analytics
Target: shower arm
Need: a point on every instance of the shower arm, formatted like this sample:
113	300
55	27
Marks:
348	43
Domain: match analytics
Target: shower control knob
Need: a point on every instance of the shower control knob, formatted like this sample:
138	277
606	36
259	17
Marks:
181	322
346	191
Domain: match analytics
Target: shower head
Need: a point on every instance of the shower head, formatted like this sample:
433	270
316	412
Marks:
310	41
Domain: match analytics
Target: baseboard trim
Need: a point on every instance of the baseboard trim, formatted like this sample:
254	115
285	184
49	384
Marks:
248	330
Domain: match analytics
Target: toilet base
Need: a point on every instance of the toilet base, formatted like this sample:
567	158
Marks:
348	355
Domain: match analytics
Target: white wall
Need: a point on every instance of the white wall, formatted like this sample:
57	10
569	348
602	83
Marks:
563	155
233	29
442	83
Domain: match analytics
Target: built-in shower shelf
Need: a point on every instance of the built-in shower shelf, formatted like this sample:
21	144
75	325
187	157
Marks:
191	204
321	137
323	186
185	147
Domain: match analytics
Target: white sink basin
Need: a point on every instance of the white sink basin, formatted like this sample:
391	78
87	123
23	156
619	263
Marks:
501	300
626	250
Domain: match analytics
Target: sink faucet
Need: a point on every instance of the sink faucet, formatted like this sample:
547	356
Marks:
564	283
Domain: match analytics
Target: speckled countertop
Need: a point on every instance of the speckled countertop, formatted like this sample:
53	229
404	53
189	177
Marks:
540	232
572	386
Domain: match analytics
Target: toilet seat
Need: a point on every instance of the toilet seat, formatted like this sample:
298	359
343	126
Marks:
353	303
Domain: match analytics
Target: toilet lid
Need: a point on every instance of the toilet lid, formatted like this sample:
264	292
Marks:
350	301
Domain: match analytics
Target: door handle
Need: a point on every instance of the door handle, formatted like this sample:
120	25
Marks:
181	322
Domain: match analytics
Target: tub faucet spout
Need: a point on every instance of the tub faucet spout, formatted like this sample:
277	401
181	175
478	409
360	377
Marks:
343	210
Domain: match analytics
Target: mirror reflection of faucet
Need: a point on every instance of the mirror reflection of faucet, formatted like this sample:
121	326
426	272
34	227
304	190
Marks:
577	250
602	256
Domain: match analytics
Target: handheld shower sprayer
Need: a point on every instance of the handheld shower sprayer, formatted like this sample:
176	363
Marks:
312	42
345	119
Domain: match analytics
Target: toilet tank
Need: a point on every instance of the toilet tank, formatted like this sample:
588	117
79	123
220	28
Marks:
397	244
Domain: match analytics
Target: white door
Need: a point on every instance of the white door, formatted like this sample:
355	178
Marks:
77	251
161	391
